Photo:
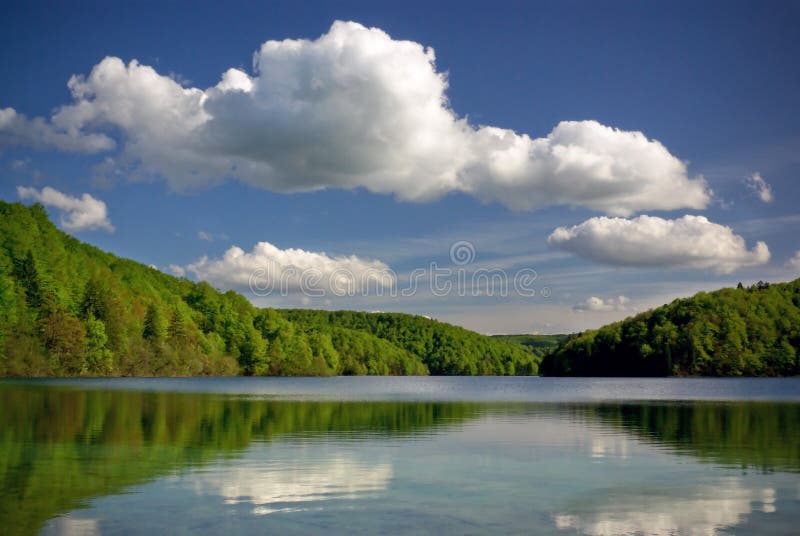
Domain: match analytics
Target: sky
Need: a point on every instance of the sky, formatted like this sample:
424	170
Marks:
513	167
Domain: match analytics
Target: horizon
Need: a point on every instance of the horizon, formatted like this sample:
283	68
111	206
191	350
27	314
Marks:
367	149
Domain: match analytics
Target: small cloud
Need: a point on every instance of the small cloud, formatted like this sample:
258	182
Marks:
177	270
210	237
18	165
760	187
794	262
79	213
593	304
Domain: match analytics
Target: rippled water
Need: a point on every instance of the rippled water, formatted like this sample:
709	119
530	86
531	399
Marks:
400	455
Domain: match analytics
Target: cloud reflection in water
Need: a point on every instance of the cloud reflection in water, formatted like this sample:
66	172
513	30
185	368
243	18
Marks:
703	510
296	485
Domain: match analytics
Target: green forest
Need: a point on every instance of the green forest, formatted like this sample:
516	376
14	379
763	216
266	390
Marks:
743	331
70	309
538	344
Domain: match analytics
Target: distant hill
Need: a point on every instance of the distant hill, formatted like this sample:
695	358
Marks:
539	345
69	309
753	331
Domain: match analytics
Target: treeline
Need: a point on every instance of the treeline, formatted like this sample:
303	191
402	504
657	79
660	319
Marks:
69	309
746	331
443	348
539	345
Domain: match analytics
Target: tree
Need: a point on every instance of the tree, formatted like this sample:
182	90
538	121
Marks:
63	336
155	325
178	327
101	302
28	276
98	356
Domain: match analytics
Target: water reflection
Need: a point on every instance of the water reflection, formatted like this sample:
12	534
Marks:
760	435
295	484
665	511
74	526
603	447
60	447
596	469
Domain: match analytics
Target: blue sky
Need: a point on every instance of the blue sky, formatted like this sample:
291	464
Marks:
339	162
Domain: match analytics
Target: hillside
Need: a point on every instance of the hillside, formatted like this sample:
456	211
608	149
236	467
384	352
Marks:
448	350
751	331
539	345
68	309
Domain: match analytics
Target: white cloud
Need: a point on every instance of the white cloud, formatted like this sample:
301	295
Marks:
211	237
356	108
580	163
594	304
268	270
17	129
690	242
794	262
177	270
760	187
79	213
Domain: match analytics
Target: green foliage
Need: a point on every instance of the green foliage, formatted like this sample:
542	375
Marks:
155	325
751	331
67	308
442	348
28	277
64	338
98	360
538	345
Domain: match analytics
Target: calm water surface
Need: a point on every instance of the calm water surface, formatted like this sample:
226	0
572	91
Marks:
400	455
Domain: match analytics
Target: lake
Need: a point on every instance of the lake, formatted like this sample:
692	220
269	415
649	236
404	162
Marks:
367	455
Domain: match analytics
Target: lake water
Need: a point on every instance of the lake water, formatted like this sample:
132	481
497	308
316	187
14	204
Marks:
400	455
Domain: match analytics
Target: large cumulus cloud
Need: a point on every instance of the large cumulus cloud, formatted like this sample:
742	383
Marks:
688	242
353	108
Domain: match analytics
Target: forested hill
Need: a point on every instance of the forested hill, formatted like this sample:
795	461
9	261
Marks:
752	331
538	344
67	309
